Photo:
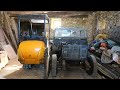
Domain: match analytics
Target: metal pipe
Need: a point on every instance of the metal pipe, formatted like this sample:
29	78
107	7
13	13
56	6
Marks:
18	29
44	26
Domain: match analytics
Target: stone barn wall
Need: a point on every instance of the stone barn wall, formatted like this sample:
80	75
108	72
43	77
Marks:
87	23
110	18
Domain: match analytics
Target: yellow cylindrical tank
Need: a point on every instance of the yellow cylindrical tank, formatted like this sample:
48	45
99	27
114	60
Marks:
31	52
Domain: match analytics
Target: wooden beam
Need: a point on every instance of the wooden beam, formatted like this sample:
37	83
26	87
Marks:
51	13
8	41
14	27
10	52
10	30
2	38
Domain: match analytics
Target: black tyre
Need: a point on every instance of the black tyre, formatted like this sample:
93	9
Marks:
27	66
47	67
54	65
91	66
66	67
63	65
42	71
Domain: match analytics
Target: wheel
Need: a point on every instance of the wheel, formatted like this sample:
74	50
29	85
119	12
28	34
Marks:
66	66
42	71
63	65
47	67
26	66
91	66
54	65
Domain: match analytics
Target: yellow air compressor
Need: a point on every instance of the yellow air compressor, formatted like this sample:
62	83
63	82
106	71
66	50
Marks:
33	45
31	52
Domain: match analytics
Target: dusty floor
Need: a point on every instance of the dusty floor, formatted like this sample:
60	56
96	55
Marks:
14	70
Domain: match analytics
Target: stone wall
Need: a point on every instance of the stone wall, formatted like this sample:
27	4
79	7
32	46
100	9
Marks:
111	18
88	23
98	22
73	22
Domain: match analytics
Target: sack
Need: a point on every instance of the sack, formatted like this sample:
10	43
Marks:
115	49
111	43
106	56
116	58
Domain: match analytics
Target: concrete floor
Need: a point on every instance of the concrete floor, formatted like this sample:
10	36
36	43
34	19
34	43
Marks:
14	70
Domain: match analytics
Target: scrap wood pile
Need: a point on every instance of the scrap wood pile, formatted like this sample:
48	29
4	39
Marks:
8	38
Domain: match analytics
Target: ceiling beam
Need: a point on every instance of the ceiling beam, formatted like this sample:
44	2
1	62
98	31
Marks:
51	13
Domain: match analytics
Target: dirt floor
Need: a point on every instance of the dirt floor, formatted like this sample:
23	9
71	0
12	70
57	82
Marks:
14	70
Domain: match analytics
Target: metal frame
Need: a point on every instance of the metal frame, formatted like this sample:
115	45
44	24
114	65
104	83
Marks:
28	17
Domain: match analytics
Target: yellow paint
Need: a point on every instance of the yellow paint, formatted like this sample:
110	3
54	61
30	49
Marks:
101	36
31	52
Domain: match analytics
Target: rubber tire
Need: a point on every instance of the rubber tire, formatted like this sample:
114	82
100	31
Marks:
42	71
54	65
47	66
27	66
93	63
63	65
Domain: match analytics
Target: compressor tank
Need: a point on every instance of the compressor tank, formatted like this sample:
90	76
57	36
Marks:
31	52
